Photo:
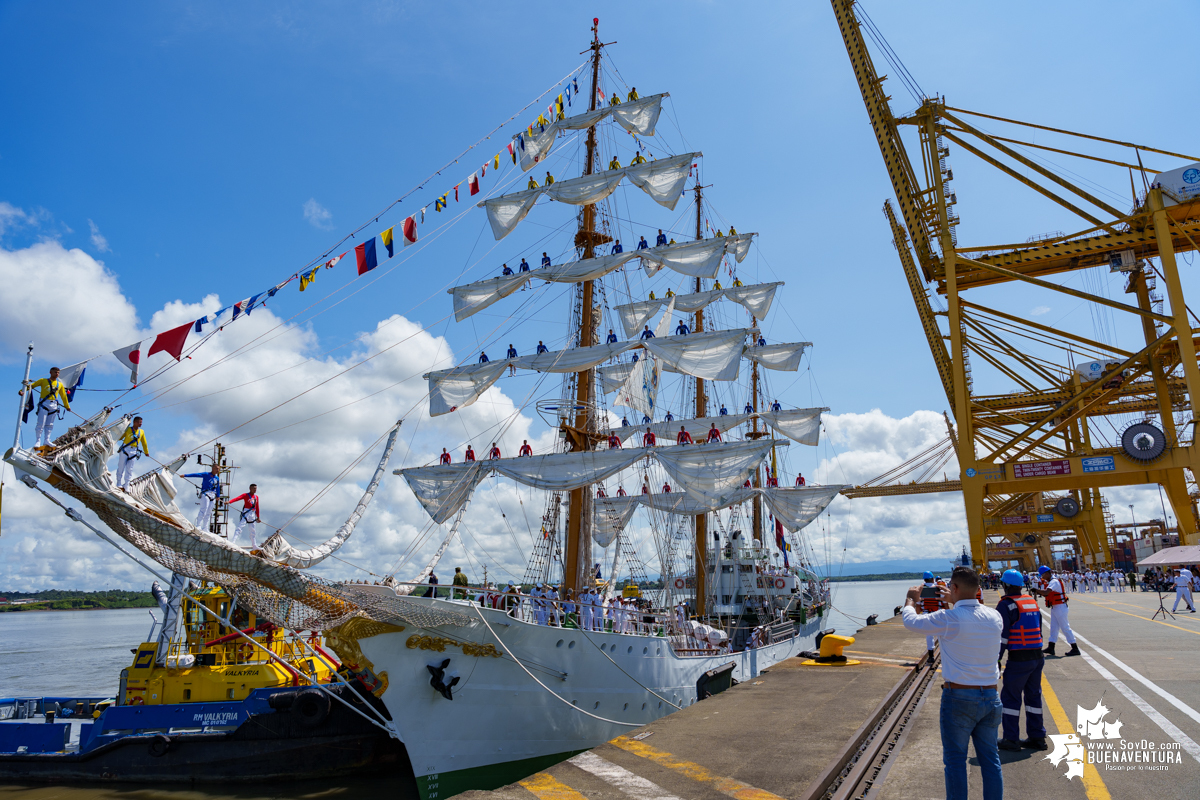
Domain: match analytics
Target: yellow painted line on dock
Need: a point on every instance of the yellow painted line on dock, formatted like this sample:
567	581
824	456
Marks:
1093	784
545	786
1148	619
729	786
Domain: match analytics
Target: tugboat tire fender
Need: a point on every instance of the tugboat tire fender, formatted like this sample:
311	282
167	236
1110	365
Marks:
160	745
311	707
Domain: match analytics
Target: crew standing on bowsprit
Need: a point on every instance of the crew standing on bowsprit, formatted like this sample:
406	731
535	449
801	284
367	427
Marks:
1055	592
1022	637
53	392
133	446
248	517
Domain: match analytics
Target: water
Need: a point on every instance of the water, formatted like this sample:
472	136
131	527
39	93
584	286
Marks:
83	652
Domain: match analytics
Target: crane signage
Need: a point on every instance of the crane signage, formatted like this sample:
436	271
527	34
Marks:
1017	520
1184	182
1099	464
1041	469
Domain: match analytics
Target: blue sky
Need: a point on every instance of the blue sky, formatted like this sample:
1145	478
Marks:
180	145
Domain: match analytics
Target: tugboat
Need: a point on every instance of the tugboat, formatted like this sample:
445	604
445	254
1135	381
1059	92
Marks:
205	702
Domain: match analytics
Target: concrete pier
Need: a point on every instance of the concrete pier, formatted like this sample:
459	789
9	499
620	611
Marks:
775	736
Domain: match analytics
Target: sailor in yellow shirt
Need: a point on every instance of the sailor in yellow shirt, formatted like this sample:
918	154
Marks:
614	164
633	95
638	159
549	178
533	184
133	445
52	402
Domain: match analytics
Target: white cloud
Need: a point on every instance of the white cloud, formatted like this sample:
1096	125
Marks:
1037	312
11	217
63	299
98	240
317	215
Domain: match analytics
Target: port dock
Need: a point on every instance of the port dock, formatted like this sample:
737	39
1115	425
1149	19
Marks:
801	732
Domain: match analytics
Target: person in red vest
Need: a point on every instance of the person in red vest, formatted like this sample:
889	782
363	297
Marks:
469	455
1055	592
799	479
494	452
666	488
445	457
526	450
649	439
645	488
683	437
248	517
931	601
746	485
714	434
772	481
614	441
1022	637
620	491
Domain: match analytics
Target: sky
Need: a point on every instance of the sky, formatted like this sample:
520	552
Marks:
163	160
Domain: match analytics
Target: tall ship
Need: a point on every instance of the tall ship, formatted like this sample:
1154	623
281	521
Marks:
669	459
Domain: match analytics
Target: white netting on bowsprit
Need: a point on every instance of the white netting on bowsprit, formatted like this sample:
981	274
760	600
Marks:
147	518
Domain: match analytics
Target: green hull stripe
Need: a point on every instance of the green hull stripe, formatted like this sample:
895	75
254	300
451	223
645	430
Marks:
447	784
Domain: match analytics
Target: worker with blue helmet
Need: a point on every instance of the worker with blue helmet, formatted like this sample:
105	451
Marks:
928	576
1021	636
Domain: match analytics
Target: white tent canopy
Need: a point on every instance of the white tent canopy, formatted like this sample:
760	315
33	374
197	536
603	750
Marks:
1184	554
662	179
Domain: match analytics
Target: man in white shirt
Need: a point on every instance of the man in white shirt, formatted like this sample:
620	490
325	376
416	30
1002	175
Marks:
969	634
1183	589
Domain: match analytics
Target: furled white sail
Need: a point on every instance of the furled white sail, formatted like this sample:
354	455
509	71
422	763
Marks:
666	432
565	471
452	389
638	116
443	490
713	355
614	376
575	359
506	211
756	299
662	179
784	357
686	505
797	507
712	472
610	516
473	297
640	389
801	425
277	549
699	259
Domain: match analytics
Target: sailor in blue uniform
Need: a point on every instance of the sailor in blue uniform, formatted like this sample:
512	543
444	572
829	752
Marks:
210	490
1022	637
612	337
724	411
524	265
545	259
647	333
617	248
541	348
681	329
507	270
749	409
642	243
661	240
483	359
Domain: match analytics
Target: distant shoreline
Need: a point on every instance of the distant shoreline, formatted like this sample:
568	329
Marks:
60	600
886	576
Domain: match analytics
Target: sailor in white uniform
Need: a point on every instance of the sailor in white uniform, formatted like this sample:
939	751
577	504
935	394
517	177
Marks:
1183	590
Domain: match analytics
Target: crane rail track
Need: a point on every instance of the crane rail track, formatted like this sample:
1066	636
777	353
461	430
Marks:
857	770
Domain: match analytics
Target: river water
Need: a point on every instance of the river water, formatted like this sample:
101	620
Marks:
82	653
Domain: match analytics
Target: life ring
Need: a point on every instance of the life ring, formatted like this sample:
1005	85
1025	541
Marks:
779	583
136	700
679	584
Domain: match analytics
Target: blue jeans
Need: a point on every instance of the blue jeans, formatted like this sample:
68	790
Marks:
971	714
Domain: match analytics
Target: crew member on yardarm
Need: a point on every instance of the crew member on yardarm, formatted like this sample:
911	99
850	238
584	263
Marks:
133	446
1022	638
53	393
1054	589
210	490
249	516
970	639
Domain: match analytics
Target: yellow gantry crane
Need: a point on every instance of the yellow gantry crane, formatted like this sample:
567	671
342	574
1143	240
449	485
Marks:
1085	414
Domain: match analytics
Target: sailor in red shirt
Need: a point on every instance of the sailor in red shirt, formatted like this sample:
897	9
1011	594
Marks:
620	491
526	450
469	455
666	488
248	517
799	479
649	439
645	488
494	452
714	434
600	492
772	481
445	457
614	441
683	437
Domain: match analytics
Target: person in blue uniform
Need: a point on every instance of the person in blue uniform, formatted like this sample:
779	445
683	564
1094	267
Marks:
642	243
617	248
210	490
762	341
483	359
724	411
624	422
512	353
541	348
612	337
524	265
647	333
545	259
1022	638
507	270
776	407
681	329
661	240
749	409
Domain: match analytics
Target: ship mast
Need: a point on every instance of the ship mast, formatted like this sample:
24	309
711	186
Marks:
581	437
701	548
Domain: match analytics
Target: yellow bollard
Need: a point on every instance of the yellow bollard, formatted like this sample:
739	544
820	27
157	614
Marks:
831	652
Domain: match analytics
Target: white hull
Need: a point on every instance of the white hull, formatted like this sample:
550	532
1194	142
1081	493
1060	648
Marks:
596	686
